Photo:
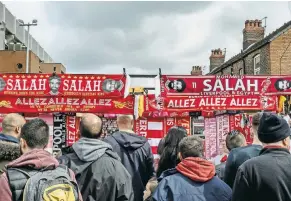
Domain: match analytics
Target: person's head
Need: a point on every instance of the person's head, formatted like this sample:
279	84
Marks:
169	157
191	146
12	124
34	135
54	83
282	85
178	85
256	123
235	139
161	146
125	122
110	85
91	126
274	130
150	188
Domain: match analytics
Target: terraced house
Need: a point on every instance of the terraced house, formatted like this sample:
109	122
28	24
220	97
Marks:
261	55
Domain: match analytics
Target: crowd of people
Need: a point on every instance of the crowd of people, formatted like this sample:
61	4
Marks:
121	166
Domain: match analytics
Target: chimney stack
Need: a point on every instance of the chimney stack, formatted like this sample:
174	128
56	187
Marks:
217	58
252	33
196	70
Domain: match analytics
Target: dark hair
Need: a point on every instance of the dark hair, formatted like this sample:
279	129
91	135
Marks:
234	139
277	84
256	119
191	146
54	76
178	90
161	146
35	133
169	158
89	132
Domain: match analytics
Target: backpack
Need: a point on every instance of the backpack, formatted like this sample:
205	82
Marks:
47	184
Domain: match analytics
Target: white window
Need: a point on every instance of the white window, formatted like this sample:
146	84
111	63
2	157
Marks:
241	72
257	66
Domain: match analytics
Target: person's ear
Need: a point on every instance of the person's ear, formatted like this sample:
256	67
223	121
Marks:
286	142
23	143
180	156
17	129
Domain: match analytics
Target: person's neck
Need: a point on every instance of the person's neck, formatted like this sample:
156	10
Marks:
256	141
10	134
128	130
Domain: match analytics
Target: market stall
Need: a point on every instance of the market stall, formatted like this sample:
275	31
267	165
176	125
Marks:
58	98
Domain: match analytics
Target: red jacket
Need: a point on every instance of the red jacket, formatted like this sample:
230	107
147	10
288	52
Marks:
38	158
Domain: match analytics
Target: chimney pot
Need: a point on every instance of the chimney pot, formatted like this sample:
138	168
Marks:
252	33
217	58
196	70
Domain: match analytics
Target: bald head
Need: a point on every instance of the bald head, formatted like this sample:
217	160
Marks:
12	124
91	126
125	122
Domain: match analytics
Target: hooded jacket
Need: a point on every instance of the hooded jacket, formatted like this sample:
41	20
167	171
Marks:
38	159
265	177
99	172
136	155
10	150
192	179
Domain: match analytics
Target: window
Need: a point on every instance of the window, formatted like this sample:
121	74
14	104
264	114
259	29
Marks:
241	71
257	66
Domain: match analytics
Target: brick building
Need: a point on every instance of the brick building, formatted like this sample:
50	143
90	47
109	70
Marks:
13	45
260	55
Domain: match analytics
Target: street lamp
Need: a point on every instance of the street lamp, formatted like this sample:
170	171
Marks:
22	24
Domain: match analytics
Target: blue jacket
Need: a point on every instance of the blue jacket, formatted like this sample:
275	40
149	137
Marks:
174	186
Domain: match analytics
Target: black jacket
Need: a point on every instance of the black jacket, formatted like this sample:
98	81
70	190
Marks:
220	170
266	177
99	172
9	150
136	155
236	158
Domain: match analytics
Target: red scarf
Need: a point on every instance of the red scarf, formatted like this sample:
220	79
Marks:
223	159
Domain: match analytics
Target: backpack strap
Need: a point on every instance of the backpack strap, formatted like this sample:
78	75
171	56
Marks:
17	178
64	167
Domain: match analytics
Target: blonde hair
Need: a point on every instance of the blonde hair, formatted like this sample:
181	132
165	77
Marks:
153	183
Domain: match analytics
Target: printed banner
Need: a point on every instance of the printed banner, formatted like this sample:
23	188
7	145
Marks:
71	130
65	104
222	123
242	123
1	120
225	85
59	132
185	122
69	85
186	104
157	114
210	138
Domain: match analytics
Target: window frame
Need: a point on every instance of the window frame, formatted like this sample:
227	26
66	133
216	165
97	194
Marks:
257	67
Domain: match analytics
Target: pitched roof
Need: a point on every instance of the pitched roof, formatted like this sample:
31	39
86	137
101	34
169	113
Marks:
254	47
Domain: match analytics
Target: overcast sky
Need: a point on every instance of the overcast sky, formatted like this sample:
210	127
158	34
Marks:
104	37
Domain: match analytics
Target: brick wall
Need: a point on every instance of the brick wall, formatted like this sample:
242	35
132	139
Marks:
277	48
49	68
264	61
264	53
10	59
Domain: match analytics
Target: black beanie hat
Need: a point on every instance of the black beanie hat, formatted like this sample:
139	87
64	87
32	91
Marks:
273	128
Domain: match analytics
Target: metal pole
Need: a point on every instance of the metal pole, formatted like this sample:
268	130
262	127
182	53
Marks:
27	50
